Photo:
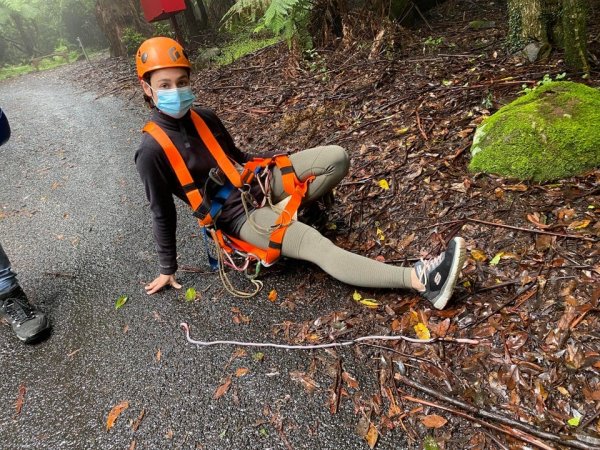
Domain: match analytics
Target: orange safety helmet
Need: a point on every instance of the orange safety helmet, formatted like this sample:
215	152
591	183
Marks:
159	53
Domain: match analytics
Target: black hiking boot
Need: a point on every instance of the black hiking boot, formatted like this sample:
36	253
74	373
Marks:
28	323
439	275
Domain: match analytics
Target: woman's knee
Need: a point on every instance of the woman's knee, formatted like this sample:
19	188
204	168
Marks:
342	160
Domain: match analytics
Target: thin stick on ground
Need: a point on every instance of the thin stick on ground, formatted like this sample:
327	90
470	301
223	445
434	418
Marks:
502	428
529	230
567	441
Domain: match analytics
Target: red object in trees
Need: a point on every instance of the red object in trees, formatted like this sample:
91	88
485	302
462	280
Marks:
161	9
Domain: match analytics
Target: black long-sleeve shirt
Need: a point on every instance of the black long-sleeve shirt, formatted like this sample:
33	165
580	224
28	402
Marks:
161	182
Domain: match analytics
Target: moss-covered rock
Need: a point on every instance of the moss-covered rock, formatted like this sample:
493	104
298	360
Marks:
550	133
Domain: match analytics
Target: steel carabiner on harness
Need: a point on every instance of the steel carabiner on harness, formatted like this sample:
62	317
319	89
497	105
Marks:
216	175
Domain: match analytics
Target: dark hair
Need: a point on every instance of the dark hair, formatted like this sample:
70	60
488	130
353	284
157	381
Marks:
148	100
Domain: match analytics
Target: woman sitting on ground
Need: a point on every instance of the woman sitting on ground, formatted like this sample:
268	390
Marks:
164	72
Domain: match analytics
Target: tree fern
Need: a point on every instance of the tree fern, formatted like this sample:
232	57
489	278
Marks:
245	11
282	17
18	7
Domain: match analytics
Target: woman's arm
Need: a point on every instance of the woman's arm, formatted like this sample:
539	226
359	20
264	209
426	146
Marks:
154	171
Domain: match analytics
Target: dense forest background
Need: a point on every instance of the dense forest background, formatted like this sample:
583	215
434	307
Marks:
33	29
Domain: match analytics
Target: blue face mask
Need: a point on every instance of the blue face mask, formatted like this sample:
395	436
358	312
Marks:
175	102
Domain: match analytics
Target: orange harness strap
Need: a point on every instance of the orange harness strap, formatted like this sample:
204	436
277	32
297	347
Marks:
291	185
216	151
192	192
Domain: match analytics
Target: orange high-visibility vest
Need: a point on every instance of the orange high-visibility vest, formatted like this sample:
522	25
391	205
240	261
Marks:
201	206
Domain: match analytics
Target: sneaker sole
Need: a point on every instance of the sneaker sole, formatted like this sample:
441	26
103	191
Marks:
457	265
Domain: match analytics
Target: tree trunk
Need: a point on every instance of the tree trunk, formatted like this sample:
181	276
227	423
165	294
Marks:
26	39
114	16
575	34
548	23
191	24
204	22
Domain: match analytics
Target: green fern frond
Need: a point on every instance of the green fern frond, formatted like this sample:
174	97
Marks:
245	11
278	14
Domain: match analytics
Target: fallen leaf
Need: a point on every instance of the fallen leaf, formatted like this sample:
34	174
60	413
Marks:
478	255
306	380
20	398
535	219
169	434
372	436
579	224
272	295
258	356
132	445
121	301
563	391
190	294
516	187
114	413
241	372
370	303
431	444
158	355
496	259
239	353
222	389
422	331
383	184
433	421
349	380
356	296
574	421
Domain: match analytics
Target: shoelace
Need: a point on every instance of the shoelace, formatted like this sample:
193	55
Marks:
19	311
428	266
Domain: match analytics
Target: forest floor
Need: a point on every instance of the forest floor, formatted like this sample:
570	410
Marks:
529	294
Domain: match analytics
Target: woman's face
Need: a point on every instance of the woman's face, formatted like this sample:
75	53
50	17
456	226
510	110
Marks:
169	78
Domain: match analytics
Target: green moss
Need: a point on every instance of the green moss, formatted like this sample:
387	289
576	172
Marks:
242	47
551	133
45	64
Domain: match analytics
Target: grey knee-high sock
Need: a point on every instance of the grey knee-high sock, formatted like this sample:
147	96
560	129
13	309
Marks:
306	243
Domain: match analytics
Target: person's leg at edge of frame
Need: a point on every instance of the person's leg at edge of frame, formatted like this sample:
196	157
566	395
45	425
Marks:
8	279
434	279
28	323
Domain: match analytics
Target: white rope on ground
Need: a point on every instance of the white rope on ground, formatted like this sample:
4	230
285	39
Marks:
186	329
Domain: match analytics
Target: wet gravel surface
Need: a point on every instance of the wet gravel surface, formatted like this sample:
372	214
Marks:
76	225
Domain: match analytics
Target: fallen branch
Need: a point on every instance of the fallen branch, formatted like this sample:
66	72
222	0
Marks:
502	428
567	441
501	307
511	227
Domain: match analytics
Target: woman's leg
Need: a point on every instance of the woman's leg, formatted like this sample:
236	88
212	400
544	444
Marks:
304	242
329	164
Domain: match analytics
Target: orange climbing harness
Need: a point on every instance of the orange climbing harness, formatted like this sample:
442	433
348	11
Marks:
206	210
